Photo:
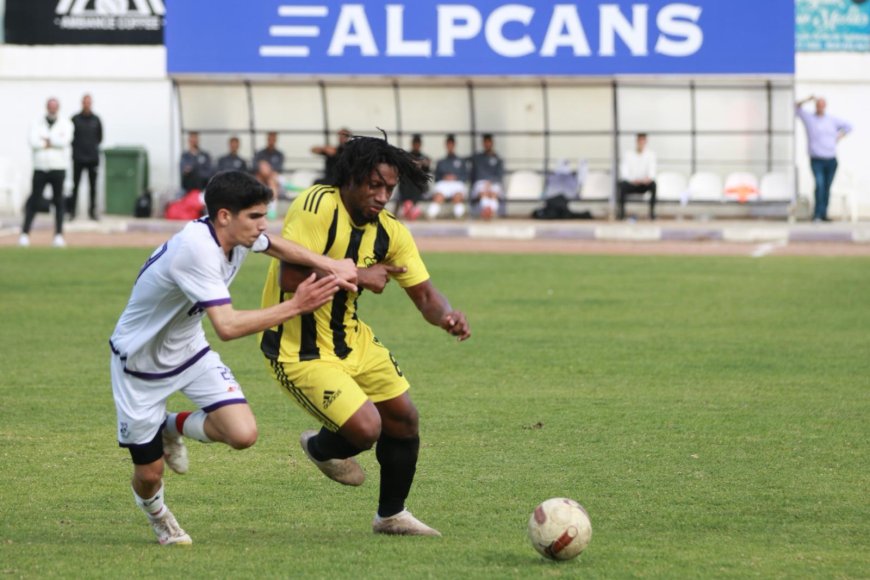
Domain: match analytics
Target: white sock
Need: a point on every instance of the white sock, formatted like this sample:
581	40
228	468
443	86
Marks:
153	507
458	210
194	426
433	210
490	203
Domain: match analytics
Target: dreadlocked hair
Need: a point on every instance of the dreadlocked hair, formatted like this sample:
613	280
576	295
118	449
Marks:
361	155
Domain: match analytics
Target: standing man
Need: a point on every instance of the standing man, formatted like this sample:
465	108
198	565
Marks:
451	175
50	139
637	174
159	347
196	168
271	153
330	362
232	161
487	176
823	133
87	136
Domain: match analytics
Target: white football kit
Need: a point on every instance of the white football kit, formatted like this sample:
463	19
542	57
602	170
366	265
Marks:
159	346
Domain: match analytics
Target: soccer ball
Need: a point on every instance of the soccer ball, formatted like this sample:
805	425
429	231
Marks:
559	529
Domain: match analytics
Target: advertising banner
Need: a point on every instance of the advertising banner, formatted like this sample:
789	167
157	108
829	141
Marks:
483	37
84	21
832	25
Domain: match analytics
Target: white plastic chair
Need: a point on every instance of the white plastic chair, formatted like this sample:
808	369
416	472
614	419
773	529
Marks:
524	185
299	180
741	186
598	185
672	186
705	186
776	186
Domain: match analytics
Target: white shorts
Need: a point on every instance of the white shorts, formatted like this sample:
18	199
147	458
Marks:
450	188
483	184
141	403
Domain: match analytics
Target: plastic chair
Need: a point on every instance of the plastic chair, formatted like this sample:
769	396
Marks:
741	186
299	180
776	186
843	195
672	186
524	185
598	185
10	194
705	186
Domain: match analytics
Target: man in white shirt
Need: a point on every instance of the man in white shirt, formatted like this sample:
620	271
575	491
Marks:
50	139
637	174
159	347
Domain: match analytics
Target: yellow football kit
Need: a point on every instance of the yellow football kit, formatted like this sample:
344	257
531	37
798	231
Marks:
329	361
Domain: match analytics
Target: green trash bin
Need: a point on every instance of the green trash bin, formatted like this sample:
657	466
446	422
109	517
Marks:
126	178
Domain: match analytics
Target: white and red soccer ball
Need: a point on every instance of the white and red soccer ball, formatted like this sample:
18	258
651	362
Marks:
559	529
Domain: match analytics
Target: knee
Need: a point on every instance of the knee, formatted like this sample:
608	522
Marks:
148	476
363	430
242	438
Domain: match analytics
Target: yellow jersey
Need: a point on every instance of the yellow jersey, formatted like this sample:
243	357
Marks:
318	220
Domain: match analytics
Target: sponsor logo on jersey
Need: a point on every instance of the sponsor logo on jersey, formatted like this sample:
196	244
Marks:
110	14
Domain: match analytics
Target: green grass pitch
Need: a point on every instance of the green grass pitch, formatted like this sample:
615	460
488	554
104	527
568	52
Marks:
712	415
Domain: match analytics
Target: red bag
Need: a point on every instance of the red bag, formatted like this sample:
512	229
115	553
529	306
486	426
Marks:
188	207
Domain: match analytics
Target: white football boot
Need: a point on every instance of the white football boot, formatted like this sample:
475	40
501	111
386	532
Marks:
344	471
402	524
168	531
175	453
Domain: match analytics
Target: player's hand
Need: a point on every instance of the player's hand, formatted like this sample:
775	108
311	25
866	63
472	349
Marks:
456	324
346	273
375	278
312	293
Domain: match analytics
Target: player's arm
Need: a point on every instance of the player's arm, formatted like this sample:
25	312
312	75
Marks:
311	294
303	261
374	278
437	310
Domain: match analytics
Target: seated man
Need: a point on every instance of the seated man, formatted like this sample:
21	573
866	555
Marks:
195	165
270	153
487	175
411	193
232	161
451	175
637	173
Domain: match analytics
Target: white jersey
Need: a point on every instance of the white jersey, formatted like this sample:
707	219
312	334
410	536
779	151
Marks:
160	332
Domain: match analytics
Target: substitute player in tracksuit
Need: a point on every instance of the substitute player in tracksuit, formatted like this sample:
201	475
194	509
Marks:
159	347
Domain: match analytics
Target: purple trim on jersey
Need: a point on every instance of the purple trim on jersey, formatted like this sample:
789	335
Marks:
217	302
206	221
219	404
115	351
176	371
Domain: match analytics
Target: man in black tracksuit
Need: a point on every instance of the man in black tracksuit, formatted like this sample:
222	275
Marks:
87	136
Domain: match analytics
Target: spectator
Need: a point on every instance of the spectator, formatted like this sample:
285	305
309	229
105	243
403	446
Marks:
451	177
232	161
50	139
330	155
87	136
266	174
823	133
410	193
271	153
637	173
562	181
196	168
487	175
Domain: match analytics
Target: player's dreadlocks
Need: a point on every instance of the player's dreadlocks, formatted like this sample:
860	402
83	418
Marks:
361	155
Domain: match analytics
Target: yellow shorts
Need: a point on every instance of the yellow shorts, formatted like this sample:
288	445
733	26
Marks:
332	391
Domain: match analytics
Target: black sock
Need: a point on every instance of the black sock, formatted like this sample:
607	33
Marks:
328	445
398	459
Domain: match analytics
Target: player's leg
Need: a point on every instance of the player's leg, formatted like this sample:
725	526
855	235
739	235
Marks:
435	204
399	442
459	204
140	407
351	424
223	415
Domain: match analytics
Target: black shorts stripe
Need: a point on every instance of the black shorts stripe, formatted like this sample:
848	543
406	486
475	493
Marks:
300	397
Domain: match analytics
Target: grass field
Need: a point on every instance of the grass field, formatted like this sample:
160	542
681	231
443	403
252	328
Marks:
712	414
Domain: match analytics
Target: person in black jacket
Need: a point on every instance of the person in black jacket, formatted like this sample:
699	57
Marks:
87	136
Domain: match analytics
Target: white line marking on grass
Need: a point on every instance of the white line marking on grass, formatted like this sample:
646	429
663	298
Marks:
765	249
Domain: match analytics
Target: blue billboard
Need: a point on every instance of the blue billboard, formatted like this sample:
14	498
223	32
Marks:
483	37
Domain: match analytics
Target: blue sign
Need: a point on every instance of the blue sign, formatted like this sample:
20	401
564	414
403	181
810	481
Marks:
484	37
